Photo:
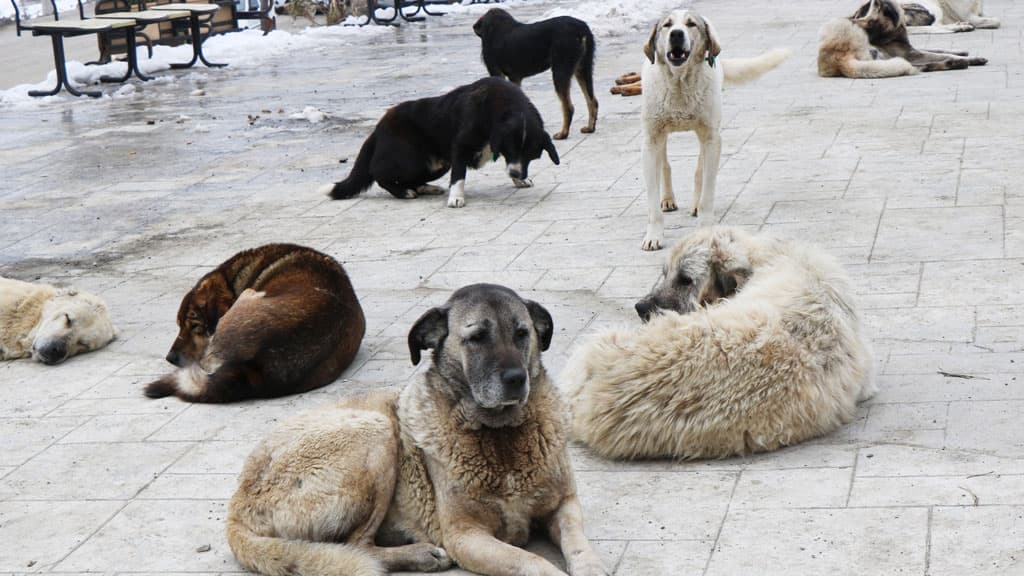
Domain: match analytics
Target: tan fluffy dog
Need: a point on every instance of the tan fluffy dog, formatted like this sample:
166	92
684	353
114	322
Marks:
50	324
467	458
752	344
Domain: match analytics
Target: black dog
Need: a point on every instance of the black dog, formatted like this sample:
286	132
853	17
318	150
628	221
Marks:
516	50
419	140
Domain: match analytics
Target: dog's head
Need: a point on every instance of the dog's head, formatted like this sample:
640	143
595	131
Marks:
880	18
678	36
520	138
71	323
200	310
492	20
487	343
705	267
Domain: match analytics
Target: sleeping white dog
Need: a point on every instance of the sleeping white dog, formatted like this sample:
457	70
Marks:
750	344
50	324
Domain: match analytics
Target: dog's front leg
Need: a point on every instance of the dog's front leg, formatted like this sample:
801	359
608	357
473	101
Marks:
651	155
711	154
668	196
566	531
456	190
478	551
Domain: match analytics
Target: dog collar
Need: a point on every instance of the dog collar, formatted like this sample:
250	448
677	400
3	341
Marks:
711	60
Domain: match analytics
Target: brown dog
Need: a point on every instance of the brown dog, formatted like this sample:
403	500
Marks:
270	321
459	466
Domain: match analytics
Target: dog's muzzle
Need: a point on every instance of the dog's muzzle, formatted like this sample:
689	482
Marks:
678	48
645	308
54	352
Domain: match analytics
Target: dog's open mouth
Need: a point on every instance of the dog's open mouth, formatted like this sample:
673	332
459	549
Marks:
677	56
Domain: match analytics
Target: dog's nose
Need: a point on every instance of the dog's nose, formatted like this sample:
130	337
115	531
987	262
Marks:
644	308
677	37
514	382
174	358
53	352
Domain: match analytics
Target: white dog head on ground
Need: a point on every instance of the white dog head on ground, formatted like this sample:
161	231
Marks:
48	324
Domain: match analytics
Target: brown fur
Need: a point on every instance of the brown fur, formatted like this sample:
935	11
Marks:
270	321
628	84
460	459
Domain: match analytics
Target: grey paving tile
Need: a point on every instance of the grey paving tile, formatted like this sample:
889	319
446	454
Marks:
962	540
35	542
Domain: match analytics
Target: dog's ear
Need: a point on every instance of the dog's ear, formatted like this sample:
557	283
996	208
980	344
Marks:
863	11
542	323
651	48
713	48
549	147
428	332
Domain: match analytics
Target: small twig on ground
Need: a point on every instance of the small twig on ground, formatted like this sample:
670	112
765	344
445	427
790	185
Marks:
963	376
982	474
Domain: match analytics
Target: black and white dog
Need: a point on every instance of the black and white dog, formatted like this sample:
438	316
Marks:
563	44
419	140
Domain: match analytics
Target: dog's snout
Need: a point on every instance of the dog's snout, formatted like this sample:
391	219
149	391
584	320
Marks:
677	37
53	352
174	357
513	381
644	309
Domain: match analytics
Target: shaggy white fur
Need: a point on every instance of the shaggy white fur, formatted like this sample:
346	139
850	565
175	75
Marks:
781	361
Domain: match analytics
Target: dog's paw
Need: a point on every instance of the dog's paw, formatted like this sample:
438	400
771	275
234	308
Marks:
456	202
587	130
561	135
429	558
963	27
977	61
163	387
406	195
651	244
527	183
669	205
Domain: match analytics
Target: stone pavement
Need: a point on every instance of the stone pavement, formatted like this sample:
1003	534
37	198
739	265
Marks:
912	182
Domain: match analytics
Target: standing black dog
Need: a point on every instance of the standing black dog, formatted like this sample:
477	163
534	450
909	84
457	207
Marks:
419	140
563	44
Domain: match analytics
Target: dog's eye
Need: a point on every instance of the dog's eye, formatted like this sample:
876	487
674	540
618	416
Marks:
691	24
522	333
68	321
477	337
667	24
684	280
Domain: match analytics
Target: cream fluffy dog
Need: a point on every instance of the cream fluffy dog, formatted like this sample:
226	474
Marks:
753	344
684	93
50	324
946	16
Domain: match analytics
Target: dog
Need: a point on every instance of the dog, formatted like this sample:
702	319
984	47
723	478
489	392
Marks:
683	94
946	16
50	324
750	344
564	44
458	466
419	140
270	321
873	43
629	84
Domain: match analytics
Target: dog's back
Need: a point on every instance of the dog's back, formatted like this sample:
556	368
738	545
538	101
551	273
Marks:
280	319
844	50
20	307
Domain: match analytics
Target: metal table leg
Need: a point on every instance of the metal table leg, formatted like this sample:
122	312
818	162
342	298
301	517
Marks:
197	46
133	60
62	73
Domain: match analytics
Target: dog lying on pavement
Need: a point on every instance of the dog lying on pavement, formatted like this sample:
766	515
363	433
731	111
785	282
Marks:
750	344
458	466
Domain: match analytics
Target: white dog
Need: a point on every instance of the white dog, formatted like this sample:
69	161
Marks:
946	16
752	344
682	94
50	324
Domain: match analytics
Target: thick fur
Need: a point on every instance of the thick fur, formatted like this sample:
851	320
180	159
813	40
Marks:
683	92
49	324
753	344
419	140
270	321
873	43
515	51
946	16
457	466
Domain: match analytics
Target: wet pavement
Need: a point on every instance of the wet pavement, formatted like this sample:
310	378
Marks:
912	182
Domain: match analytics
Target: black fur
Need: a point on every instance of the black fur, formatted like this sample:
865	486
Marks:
419	140
563	44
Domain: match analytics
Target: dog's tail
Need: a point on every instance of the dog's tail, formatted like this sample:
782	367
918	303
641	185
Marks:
854	68
360	178
282	557
743	70
585	70
193	384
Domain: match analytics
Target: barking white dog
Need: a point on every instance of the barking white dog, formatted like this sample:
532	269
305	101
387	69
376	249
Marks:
682	87
752	344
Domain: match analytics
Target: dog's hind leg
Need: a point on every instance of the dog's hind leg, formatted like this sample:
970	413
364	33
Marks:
562	77
585	78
